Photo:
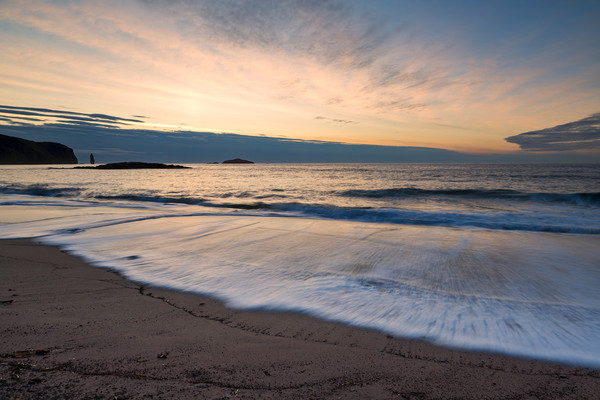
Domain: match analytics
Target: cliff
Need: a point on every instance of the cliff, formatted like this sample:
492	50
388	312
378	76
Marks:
21	151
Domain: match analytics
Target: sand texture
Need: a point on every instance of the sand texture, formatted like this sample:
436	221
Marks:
73	331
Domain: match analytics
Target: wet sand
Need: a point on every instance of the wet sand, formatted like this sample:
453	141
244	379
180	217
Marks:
70	330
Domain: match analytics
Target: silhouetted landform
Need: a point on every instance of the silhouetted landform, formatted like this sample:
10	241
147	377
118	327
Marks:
237	161
135	165
195	147
15	150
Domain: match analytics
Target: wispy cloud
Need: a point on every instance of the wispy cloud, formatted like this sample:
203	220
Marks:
329	49
583	134
327	30
336	120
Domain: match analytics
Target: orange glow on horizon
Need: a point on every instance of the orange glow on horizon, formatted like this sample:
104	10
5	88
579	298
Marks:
308	78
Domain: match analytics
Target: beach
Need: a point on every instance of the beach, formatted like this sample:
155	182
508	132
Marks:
71	330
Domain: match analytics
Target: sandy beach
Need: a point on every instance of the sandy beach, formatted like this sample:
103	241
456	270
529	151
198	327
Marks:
70	330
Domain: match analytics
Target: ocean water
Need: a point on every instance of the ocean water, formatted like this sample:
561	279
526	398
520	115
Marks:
500	258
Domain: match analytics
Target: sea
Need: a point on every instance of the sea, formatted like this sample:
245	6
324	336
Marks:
495	258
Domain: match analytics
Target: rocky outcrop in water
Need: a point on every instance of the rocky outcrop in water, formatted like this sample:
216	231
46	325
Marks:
135	165
15	150
237	161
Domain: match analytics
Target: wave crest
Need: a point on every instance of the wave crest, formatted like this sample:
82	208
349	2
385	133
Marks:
591	198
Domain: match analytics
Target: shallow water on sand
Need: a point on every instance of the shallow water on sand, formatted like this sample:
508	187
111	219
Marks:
488	263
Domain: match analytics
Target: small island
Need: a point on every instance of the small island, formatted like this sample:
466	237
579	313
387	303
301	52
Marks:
237	161
135	165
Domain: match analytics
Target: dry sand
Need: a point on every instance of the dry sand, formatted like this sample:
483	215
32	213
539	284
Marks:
73	331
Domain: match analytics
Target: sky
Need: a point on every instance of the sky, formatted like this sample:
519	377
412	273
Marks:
518	79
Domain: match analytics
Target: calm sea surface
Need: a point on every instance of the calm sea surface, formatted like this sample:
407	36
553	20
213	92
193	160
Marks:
501	258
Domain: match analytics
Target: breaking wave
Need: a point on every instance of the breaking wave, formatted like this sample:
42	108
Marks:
592	199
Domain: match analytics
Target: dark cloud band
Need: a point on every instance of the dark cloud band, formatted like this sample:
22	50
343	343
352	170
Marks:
25	113
583	134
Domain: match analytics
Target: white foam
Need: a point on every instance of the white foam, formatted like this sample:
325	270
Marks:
522	293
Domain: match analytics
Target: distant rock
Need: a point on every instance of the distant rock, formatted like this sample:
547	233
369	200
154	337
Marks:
237	161
135	165
15	150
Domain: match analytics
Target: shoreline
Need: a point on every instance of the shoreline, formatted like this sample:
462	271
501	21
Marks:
71	330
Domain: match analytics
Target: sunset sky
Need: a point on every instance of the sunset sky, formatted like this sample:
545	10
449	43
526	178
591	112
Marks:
454	75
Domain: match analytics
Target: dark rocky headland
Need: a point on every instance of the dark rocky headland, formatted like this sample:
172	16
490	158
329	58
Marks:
15	150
